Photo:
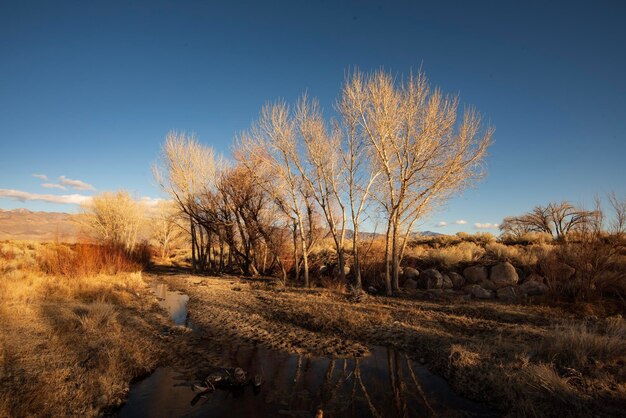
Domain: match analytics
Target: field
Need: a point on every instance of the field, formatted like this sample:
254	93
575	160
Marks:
71	344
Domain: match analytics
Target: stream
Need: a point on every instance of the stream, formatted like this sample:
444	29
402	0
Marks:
385	384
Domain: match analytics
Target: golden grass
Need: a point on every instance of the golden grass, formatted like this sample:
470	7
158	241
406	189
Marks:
69	346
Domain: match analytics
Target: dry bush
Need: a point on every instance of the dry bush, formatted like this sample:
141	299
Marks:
529	238
596	266
449	257
543	380
332	284
88	259
501	252
461	357
96	317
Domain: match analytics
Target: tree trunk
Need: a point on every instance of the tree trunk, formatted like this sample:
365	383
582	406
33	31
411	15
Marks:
388	260
193	245
341	258
355	251
395	256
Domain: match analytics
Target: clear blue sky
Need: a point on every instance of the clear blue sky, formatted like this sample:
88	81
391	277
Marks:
88	90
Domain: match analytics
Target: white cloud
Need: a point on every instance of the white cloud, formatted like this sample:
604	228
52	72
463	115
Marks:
486	225
150	201
22	196
41	177
53	186
460	222
441	224
75	184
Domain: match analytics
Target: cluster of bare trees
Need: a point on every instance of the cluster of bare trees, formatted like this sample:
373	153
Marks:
561	219
397	148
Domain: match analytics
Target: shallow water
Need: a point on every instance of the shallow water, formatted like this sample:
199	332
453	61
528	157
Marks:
384	384
175	303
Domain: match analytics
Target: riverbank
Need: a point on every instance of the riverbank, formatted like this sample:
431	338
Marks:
522	360
71	346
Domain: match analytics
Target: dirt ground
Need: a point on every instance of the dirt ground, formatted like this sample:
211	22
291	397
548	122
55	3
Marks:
524	360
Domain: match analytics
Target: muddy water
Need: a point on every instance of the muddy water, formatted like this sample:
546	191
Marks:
385	384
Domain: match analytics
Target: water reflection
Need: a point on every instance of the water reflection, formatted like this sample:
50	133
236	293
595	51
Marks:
175	303
385	384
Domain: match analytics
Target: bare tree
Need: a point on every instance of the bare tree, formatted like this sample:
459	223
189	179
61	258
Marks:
618	223
424	153
113	218
555	219
359	175
187	171
269	151
165	226
564	218
321	170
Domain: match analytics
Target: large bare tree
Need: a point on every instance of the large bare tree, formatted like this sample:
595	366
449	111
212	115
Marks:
424	152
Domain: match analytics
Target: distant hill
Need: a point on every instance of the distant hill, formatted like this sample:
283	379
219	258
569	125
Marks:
368	235
22	224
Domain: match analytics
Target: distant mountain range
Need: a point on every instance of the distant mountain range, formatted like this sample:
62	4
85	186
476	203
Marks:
365	235
22	224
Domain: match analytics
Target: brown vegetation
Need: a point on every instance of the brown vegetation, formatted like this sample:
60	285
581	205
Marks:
75	329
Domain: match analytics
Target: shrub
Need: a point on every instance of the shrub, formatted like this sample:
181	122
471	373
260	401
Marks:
88	259
465	252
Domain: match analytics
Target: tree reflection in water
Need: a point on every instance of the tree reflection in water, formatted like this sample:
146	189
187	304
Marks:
385	384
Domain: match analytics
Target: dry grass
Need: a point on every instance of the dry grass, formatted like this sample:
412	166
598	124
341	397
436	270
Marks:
581	345
69	346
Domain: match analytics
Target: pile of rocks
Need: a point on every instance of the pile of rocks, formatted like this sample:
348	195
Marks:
502	280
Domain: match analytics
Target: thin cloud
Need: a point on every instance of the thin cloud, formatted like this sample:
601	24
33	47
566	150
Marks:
23	196
460	222
150	201
441	224
41	177
75	184
486	225
53	186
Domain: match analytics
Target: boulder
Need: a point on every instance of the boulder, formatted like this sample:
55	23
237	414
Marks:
533	288
430	279
475	274
410	284
323	270
478	292
535	278
488	284
503	274
447	282
411	273
521	274
458	281
563	272
509	293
